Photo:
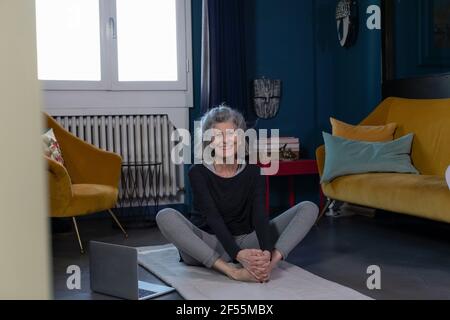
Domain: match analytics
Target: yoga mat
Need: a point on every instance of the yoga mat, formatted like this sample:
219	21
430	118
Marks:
288	282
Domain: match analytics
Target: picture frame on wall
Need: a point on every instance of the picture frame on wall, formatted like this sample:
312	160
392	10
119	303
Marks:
434	33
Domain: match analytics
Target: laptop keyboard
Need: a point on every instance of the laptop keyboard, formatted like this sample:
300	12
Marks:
145	293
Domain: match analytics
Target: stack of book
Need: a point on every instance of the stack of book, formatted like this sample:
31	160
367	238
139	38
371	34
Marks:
289	148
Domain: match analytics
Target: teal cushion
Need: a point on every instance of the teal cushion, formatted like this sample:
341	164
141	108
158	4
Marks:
346	157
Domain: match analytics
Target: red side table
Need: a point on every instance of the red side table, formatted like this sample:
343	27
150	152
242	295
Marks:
291	169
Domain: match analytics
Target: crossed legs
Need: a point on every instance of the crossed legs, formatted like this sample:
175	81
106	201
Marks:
199	248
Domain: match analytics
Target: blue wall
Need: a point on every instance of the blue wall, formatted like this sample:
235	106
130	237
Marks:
296	41
348	80
280	45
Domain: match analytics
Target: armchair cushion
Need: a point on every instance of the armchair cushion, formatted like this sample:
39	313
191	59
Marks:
90	198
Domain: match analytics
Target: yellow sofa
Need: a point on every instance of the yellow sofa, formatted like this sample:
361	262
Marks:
87	183
426	195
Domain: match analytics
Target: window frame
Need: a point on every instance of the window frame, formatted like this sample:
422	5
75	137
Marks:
109	57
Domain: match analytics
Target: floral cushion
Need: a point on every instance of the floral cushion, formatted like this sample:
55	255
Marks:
51	147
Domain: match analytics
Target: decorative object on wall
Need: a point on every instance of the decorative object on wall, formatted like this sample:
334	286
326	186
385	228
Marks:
347	22
267	97
435	33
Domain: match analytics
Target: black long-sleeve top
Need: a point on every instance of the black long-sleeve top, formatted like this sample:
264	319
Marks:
228	207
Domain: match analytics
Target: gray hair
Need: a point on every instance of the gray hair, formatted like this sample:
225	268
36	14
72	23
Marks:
222	114
217	115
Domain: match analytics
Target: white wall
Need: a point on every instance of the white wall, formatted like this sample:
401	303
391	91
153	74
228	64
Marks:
24	243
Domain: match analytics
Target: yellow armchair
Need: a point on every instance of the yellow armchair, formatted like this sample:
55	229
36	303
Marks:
87	183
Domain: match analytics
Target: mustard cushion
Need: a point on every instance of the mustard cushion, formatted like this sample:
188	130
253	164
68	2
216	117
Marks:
382	133
417	195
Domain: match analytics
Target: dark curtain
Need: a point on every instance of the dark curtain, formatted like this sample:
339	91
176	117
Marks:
224	57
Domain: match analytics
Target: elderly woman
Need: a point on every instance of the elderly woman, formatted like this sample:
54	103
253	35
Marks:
229	223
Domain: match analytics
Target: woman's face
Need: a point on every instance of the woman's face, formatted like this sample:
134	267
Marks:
225	140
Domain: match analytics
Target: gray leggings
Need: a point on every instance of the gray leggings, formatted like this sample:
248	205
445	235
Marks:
199	248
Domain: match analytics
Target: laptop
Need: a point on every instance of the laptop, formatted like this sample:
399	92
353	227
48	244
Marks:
114	272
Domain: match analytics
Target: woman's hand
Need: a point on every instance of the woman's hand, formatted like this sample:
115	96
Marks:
256	262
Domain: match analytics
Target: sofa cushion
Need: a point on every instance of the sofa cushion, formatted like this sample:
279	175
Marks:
363	133
91	198
418	195
345	157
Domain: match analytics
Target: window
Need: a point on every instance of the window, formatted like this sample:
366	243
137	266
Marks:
113	45
154	59
68	40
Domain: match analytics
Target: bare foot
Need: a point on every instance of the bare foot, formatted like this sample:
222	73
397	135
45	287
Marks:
244	276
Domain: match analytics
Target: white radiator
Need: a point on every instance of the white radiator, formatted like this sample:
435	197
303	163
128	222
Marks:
138	139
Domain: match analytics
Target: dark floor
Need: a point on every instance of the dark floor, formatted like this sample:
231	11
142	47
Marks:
414	255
